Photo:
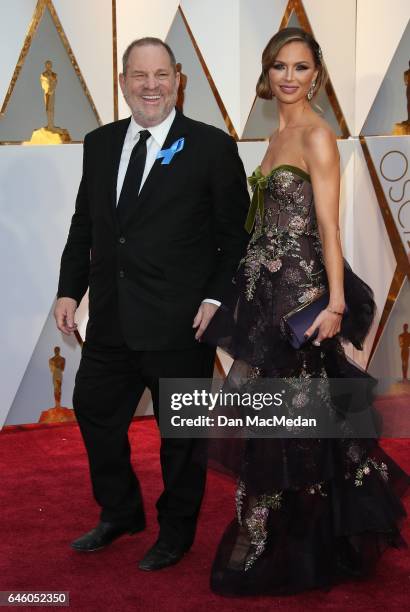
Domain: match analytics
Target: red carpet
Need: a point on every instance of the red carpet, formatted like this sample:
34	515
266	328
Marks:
46	502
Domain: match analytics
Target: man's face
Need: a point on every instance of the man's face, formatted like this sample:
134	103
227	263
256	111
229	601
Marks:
150	84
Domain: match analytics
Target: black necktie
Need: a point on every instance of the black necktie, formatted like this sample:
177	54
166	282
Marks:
133	176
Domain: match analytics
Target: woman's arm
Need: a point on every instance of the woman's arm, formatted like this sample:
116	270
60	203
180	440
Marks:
322	158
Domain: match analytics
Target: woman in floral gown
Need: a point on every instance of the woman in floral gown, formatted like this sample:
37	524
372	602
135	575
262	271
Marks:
310	512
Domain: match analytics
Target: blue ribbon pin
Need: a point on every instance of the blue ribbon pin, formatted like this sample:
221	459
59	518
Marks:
168	154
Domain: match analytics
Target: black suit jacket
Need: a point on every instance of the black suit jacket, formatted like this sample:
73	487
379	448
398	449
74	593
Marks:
181	243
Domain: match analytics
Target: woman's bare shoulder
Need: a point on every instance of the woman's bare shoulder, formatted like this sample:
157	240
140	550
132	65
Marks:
319	140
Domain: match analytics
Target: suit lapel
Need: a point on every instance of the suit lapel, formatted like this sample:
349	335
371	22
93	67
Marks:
117	142
153	181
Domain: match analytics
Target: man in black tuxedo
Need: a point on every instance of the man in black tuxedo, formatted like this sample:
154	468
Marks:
156	235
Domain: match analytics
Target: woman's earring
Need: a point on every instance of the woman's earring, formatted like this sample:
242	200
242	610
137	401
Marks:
311	90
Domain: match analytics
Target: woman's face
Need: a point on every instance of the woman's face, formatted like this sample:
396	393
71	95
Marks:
292	72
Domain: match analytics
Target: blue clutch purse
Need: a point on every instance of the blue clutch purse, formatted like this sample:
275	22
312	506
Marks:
297	321
356	321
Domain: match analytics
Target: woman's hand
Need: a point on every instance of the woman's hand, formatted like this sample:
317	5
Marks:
328	323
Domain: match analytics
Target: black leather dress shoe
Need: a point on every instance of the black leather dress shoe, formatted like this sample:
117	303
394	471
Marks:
104	534
159	556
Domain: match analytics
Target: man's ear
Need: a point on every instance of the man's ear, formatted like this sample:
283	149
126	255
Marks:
121	79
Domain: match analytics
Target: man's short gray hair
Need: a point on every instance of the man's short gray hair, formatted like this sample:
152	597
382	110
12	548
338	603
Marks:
143	42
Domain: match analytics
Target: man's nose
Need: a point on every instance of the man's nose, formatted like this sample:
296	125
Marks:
151	82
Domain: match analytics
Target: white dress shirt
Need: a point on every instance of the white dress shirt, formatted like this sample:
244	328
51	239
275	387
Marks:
154	145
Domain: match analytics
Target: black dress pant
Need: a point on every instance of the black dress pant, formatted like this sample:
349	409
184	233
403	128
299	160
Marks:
109	384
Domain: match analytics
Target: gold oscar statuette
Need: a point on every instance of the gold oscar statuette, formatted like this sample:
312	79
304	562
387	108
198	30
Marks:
49	134
404	344
403	128
58	413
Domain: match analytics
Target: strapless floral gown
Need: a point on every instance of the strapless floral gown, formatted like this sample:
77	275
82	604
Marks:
309	512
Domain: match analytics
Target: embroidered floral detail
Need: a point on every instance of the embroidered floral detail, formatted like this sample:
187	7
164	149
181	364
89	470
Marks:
297	224
309	294
307	267
305	391
256	525
273	266
287	214
365	469
292	276
280	181
254	373
317	488
253	261
239	497
273	501
299	197
279	184
300	400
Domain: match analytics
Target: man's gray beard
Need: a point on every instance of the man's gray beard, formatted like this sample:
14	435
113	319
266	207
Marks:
138	116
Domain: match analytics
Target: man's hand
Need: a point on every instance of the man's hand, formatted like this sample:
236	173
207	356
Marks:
64	315
205	313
